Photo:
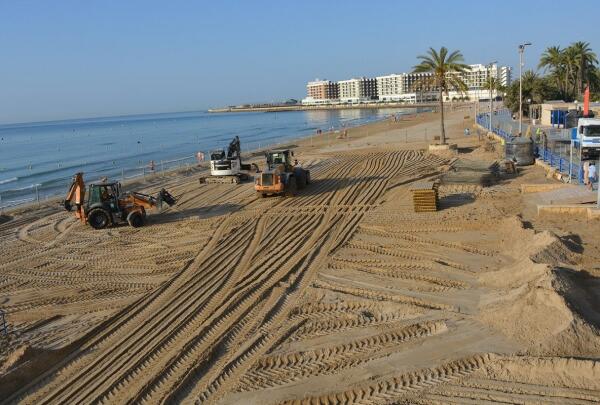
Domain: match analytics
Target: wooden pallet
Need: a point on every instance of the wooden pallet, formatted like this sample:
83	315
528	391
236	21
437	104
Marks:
425	196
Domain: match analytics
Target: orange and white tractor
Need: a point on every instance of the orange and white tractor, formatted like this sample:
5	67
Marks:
104	204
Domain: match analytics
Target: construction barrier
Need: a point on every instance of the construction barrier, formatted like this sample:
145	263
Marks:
561	161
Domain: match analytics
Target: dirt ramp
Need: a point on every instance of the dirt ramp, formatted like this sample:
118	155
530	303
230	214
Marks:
519	380
552	371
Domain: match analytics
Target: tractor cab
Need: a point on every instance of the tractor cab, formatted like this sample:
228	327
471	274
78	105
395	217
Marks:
280	175
105	195
280	157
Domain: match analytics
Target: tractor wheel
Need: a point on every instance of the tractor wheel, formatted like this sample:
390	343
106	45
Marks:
301	180
135	219
291	188
98	218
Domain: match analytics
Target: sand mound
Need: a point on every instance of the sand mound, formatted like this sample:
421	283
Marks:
531	313
558	372
531	304
540	247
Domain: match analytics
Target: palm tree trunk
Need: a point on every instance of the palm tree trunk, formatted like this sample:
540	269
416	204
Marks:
579	80
443	134
567	74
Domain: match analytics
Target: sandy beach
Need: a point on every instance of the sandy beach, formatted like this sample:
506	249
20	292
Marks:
341	294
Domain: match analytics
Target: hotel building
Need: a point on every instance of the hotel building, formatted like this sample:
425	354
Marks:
321	92
357	90
404	87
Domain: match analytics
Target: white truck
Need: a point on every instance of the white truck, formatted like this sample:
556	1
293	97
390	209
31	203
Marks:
587	137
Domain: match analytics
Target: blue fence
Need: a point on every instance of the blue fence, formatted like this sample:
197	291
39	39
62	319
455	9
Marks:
558	160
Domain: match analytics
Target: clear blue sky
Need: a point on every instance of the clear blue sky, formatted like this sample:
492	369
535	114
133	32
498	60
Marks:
65	59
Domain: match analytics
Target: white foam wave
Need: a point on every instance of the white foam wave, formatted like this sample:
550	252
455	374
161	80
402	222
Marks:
9	180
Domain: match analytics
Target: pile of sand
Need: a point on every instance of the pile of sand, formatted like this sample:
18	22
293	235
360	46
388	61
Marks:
530	302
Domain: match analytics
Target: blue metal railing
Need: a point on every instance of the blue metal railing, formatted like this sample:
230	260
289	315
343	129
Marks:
555	160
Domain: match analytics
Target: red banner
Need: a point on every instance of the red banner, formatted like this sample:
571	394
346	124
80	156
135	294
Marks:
586	101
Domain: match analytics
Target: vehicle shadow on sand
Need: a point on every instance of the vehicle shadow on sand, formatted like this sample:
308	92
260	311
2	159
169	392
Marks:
209	211
320	186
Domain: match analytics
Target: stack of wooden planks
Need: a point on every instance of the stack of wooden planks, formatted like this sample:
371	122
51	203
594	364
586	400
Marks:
425	196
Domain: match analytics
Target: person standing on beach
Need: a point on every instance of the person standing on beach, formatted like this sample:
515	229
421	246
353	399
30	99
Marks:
591	176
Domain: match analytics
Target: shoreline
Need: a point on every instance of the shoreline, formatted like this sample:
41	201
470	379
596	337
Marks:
309	141
45	187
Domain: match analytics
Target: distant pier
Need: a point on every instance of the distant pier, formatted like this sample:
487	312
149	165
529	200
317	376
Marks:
298	107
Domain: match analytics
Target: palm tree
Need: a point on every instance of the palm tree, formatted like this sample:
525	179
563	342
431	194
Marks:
445	75
554	60
584	61
493	84
571	55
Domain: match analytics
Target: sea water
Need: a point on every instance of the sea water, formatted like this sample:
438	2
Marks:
37	160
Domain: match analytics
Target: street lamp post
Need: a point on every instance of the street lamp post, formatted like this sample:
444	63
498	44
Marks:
489	75
521	50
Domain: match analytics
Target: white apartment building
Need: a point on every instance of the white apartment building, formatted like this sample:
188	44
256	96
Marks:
477	77
357	90
505	75
403	87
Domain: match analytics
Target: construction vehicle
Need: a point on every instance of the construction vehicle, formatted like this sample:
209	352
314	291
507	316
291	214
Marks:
227	167
586	137
105	204
281	177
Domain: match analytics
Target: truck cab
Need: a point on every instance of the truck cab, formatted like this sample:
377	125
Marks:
587	136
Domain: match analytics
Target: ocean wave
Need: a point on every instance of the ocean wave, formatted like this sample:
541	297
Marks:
12	203
29	187
12	179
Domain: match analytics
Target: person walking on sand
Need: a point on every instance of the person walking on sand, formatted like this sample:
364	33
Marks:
591	176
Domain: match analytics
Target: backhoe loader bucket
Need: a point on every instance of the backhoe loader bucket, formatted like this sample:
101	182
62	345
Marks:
165	196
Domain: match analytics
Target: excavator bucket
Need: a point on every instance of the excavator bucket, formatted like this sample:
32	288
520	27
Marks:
165	196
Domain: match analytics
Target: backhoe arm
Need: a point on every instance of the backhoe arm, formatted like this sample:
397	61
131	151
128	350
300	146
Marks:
76	195
148	201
